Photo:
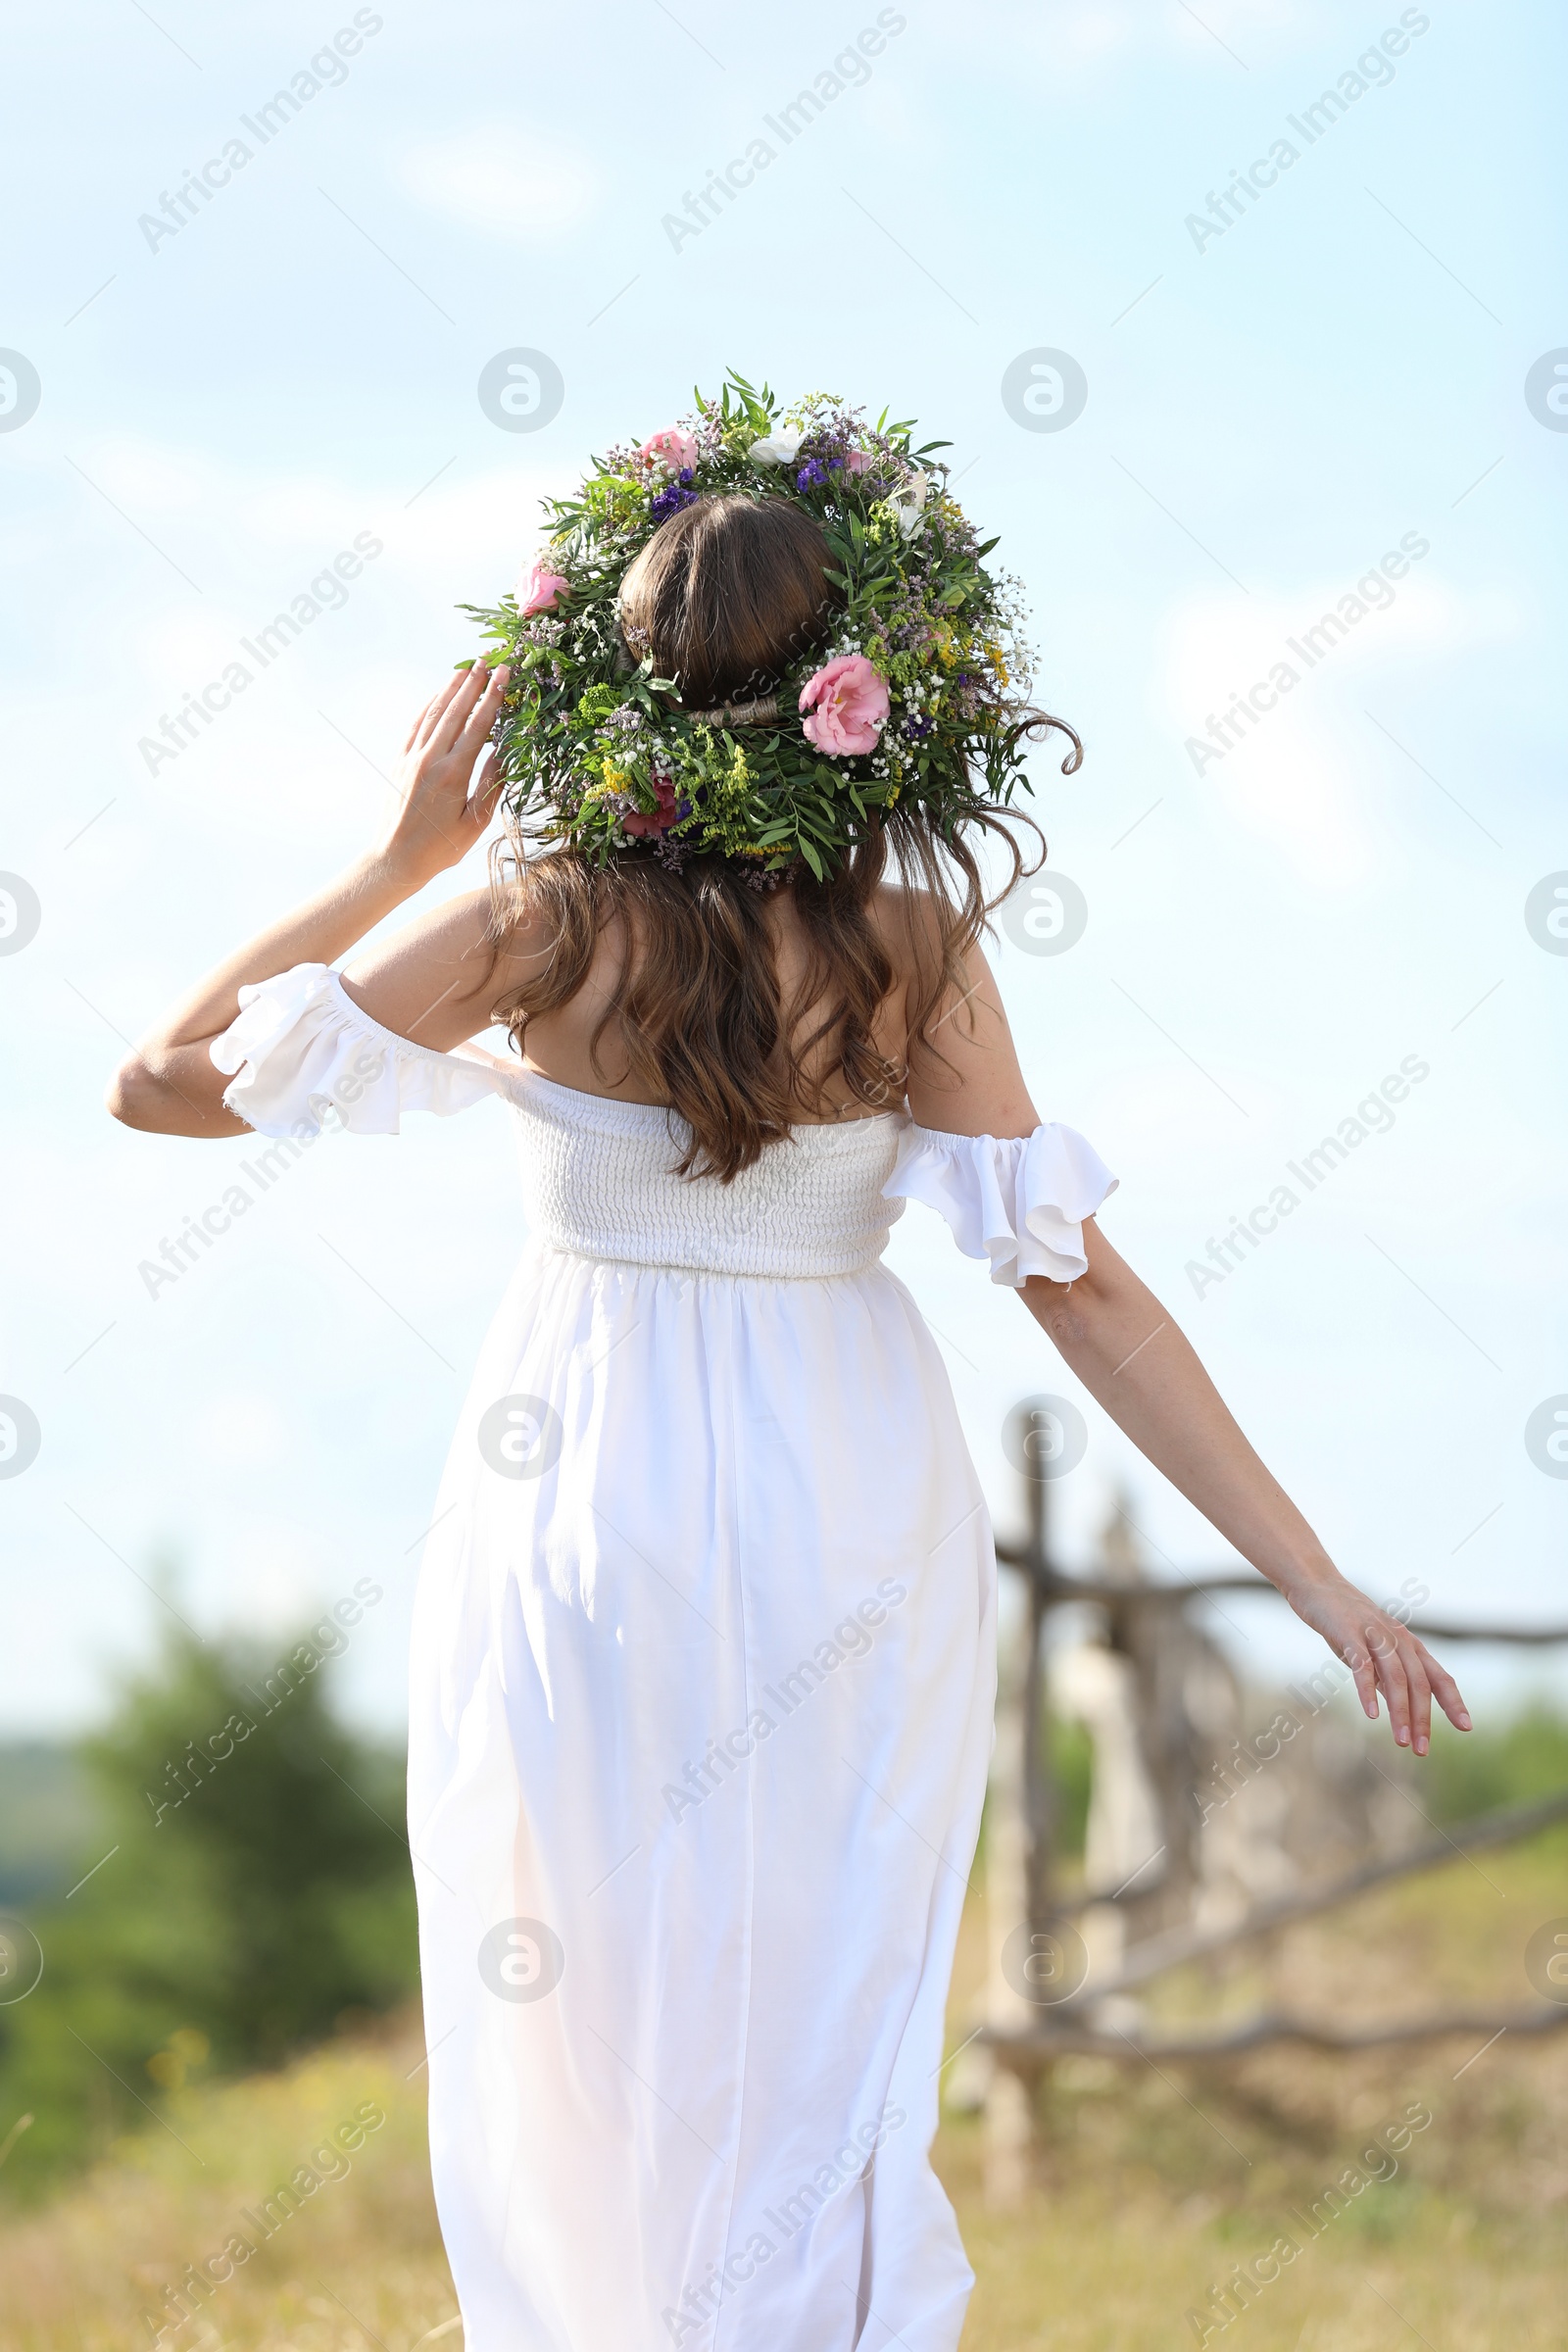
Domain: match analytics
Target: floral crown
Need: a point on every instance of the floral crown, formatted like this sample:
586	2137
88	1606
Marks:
919	697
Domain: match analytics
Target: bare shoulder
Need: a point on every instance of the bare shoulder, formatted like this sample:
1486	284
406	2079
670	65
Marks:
913	926
909	923
963	1072
439	978
904	913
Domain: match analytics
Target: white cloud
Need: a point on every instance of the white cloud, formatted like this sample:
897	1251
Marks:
482	526
508	182
1216	647
1285	774
242	1430
155	478
280	1575
1305	798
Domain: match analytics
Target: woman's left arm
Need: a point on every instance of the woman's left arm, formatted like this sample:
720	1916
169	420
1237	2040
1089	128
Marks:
1134	1360
1138	1365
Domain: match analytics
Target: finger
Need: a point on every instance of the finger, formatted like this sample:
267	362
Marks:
1395	1691
1359	1661
423	716
1444	1688
1420	1689
431	716
482	718
486	792
454	712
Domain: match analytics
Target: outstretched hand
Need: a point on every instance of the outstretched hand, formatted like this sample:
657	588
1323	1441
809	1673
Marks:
1383	1655
446	808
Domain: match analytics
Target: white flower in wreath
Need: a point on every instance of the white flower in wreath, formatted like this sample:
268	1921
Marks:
910	509
779	448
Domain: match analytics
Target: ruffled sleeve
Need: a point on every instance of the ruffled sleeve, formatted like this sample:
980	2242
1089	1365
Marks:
1018	1201
302	1052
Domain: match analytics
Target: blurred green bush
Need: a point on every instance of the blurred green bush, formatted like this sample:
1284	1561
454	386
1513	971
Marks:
1524	1757
250	1884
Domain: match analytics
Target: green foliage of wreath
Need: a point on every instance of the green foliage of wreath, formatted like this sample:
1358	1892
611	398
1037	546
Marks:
596	750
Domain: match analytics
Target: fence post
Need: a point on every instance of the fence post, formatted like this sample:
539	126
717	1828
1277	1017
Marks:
1008	2128
1021	1825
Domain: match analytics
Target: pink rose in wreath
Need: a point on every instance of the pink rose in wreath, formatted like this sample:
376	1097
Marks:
846	705
538	589
672	448
855	461
662	818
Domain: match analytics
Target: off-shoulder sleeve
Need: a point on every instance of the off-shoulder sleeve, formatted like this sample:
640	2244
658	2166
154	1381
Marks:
1020	1201
302	1050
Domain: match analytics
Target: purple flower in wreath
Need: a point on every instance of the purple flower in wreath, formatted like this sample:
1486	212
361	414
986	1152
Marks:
679	494
811	473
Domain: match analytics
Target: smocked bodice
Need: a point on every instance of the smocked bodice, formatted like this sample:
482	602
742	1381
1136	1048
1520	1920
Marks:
600	1179
600	1176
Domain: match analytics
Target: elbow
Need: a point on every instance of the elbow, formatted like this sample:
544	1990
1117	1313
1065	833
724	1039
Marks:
136	1097
1070	1326
1064	1310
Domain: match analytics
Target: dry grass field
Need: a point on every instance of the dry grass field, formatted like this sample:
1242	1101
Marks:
1151	2184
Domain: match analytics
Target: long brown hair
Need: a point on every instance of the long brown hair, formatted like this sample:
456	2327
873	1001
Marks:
726	595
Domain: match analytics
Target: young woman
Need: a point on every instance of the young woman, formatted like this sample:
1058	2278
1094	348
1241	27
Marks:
703	1652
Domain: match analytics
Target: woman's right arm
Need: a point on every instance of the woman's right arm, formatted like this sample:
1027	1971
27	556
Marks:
169	1085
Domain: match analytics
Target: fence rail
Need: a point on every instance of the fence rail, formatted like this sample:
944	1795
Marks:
1059	1587
1183	1945
1146	1618
1026	2053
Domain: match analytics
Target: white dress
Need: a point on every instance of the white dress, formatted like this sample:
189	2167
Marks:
702	1673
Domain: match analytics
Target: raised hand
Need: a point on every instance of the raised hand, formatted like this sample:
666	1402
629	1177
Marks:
446	808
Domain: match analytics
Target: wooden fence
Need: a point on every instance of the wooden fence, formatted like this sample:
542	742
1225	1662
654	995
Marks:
1052	1990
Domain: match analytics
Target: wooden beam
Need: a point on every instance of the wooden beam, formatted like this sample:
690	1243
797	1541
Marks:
1181	1944
1040	2044
1059	1587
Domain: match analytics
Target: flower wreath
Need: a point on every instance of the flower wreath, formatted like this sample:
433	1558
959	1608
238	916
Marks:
920	696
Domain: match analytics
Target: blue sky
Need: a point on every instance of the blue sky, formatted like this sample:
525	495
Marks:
1271	410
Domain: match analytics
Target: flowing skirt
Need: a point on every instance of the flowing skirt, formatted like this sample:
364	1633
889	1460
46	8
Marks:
703	1675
